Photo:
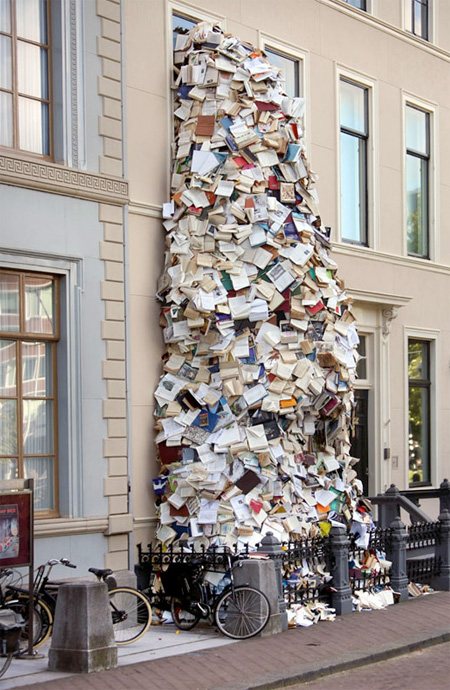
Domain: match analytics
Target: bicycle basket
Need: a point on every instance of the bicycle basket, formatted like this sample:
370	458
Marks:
176	580
11	624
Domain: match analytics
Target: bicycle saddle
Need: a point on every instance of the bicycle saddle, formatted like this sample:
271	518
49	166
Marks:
98	572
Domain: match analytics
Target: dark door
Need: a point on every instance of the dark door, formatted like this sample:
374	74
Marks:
360	437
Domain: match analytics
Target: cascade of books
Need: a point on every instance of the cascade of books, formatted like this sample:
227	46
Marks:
255	402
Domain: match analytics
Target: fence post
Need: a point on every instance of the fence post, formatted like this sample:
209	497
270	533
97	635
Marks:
397	554
442	553
341	597
389	511
272	547
444	498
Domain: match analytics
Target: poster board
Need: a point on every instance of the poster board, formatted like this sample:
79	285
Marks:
15	528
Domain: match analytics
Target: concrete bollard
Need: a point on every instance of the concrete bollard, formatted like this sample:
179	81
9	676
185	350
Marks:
397	554
83	638
261	575
341	598
442	553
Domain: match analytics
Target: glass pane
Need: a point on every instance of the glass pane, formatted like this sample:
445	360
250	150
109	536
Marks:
42	470
33	126
418	360
417	205
5	16
353	107
8	427
6	127
9	302
353	188
181	25
8	374
361	367
32	70
419	444
37	370
31	18
5	63
360	4
290	69
9	468
417	130
39	305
38	426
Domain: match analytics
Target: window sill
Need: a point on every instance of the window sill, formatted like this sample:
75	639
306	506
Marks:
54	527
22	171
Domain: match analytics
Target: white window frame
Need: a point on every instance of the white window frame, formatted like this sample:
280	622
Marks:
371	84
269	42
433	337
432	22
409	99
369	383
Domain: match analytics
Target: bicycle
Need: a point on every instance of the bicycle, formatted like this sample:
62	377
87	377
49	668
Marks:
238	611
11	625
16	599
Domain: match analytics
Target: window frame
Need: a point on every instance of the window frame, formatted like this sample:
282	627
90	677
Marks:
18	338
424	385
410	18
362	9
363	169
15	90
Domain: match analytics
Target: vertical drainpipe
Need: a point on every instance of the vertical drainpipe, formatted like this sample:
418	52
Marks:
126	287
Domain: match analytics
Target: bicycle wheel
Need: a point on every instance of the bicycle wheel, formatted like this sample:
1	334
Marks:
242	612
131	614
42	619
184	612
5	661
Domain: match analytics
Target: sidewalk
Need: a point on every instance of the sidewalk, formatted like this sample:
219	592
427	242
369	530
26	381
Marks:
296	655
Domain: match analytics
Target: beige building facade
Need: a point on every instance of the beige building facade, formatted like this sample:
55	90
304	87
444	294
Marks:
383	188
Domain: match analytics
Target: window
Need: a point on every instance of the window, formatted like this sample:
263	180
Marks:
419	405
291	70
181	25
24	75
417	181
361	367
29	331
416	17
354	143
359	4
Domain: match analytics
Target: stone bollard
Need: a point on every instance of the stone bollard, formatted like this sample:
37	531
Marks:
341	597
397	554
442	553
272	547
83	638
260	574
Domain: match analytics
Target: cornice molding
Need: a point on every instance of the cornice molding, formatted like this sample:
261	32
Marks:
62	526
57	179
406	261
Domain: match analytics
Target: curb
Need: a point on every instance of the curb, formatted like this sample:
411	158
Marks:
287	677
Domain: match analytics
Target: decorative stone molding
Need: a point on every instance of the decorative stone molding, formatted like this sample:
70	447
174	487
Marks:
57	179
388	315
64	526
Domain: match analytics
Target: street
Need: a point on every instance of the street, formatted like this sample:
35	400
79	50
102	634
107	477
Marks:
427	669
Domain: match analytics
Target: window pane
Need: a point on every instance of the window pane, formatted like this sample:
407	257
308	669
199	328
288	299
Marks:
353	188
8	427
5	63
417	130
361	367
417	205
181	25
9	302
8	468
290	69
418	356
32	70
42	470
39	305
37	426
6	127
37	370
419	418
8	373
360	4
31	18
33	126
353	107
5	16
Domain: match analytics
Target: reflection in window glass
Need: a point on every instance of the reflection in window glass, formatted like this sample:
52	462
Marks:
8	468
37	369
419	411
290	68
361	368
42	470
359	4
39	305
9	302
417	181
181	25
8	427
8	369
